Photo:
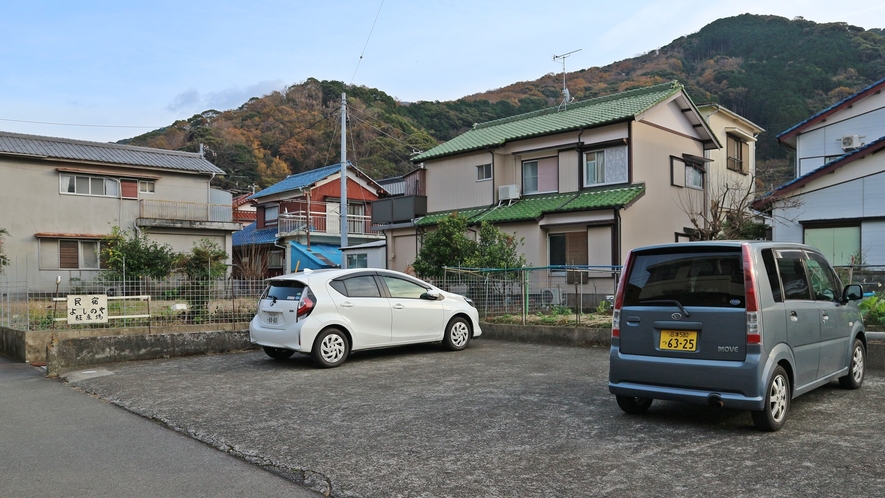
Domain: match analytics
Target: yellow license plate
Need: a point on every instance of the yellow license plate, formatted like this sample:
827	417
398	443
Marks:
679	340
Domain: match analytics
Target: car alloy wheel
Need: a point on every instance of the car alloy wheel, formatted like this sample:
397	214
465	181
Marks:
457	334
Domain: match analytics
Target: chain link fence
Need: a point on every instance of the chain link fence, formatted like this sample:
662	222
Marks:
131	303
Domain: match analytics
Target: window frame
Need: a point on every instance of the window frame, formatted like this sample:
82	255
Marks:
107	184
147	187
272	256
600	175
695	170
81	252
357	258
484	172
736	154
542	165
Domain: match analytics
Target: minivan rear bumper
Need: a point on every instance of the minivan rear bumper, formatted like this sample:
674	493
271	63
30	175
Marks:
702	382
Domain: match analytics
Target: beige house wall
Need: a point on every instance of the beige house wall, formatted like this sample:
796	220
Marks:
31	202
658	216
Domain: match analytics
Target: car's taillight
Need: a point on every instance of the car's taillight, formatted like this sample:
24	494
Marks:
754	327
305	306
619	298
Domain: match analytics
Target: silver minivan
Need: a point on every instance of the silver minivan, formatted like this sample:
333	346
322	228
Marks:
745	325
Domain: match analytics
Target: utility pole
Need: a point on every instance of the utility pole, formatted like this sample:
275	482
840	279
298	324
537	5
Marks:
343	208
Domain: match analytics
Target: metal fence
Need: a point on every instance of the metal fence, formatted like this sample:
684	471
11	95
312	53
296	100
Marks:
526	291
153	303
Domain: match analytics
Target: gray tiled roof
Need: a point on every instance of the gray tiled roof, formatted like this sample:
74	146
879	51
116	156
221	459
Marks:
108	153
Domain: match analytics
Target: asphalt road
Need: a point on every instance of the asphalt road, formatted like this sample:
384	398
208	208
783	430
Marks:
500	419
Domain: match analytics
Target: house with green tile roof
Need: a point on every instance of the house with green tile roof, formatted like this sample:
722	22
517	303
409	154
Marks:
581	184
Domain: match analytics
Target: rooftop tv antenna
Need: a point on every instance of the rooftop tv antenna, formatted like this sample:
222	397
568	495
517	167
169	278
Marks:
566	97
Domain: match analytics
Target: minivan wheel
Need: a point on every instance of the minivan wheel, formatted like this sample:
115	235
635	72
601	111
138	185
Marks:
632	404
854	379
330	348
278	353
777	402
457	334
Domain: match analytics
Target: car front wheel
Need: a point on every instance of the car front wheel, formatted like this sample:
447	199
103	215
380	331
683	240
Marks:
777	402
457	334
854	379
330	348
278	353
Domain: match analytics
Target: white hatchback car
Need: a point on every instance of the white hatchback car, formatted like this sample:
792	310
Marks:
329	313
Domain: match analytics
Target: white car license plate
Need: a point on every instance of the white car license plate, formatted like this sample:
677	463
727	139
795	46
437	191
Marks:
273	318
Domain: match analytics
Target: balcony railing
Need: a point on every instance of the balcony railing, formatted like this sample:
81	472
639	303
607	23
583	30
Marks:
323	223
185	211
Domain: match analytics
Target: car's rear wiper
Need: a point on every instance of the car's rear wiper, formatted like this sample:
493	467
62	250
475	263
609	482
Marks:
667	301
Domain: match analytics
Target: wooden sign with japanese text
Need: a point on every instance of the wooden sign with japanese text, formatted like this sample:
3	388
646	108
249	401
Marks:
91	308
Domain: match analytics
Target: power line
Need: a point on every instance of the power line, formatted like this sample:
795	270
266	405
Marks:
77	124
367	43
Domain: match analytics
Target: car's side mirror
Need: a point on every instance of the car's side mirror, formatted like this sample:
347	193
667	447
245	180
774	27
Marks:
852	292
430	295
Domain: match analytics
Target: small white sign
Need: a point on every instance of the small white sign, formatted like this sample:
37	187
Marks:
90	308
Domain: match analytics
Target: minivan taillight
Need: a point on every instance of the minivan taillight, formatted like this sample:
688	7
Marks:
619	298
754	328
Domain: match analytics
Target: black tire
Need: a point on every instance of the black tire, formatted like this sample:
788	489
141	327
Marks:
457	335
330	348
278	353
856	367
777	402
633	405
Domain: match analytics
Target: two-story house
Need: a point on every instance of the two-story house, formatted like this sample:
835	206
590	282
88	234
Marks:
581	185
835	200
59	197
298	222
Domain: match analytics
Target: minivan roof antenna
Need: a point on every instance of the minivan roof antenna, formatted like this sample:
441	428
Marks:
566	98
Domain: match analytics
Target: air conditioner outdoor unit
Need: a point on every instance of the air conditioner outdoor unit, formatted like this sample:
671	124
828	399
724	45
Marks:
551	297
851	142
508	192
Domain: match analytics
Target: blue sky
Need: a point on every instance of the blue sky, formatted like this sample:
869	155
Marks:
108	70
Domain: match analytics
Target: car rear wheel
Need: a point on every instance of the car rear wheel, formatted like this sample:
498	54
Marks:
633	405
278	353
854	379
330	348
457	334
777	402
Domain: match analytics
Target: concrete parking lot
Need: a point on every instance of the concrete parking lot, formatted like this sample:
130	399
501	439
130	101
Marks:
500	419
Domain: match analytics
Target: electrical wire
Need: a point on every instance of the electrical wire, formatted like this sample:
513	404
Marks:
75	124
367	43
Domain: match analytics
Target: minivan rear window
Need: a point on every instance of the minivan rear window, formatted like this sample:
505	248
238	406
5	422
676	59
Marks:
285	290
693	278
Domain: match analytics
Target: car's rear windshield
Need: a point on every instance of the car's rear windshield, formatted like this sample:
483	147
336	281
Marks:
712	278
285	290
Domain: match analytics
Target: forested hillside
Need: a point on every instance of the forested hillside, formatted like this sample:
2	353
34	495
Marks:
772	70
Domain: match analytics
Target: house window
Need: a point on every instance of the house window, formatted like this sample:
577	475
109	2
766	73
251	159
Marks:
605	166
483	172
567	249
78	254
694	175
275	259
271	213
88	185
540	176
840	245
737	151
146	186
357	261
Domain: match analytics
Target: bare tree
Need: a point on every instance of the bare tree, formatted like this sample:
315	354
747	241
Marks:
725	211
250	262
